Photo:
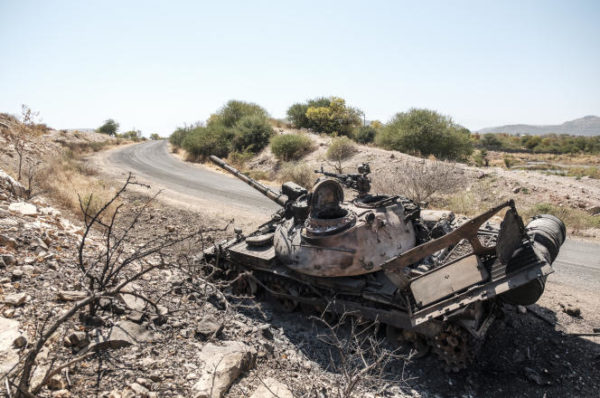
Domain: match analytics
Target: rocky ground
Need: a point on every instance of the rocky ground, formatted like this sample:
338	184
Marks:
177	332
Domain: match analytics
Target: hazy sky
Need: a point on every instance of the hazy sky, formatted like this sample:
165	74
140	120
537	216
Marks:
158	65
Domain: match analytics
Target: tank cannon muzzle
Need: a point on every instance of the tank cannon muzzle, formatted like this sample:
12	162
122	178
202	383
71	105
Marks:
276	197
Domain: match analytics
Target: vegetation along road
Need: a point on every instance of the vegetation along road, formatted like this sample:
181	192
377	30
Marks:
578	263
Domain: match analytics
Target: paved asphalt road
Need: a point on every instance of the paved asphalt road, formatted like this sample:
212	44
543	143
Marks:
578	263
152	160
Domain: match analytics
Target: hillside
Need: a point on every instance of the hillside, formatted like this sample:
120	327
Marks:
586	126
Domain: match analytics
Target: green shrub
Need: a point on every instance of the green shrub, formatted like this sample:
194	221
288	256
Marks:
509	161
300	173
252	134
133	135
480	158
230	114
291	146
238	126
239	159
177	137
204	141
341	148
426	132
366	134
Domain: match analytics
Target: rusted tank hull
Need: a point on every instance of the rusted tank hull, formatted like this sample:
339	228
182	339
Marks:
372	236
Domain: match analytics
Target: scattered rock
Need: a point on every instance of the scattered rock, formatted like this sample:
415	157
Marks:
533	376
207	329
9	242
56	383
123	334
521	309
271	388
77	340
135	390
9	332
481	175
222	366
70	295
61	394
593	210
8	259
516	190
25	209
20	342
132	302
16	299
571	310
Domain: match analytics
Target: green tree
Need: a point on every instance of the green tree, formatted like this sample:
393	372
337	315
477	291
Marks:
234	111
297	112
426	132
155	136
110	127
252	133
366	134
201	142
337	118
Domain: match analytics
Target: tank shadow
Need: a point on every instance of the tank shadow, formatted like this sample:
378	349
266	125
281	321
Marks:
523	355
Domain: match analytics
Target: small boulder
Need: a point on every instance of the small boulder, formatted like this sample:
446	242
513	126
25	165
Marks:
61	394
7	241
208	328
8	259
25	209
16	299
56	383
271	388
70	295
20	342
9	331
123	334
223	364
77	340
593	210
135	390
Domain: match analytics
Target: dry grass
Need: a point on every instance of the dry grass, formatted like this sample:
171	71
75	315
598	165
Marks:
67	178
575	219
300	173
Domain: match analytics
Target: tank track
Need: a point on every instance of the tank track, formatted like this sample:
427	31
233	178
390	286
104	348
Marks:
454	345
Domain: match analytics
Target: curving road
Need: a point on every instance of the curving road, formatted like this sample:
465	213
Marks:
151	160
578	263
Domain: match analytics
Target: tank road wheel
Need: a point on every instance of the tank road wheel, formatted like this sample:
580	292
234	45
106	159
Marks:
455	347
284	303
399	338
244	286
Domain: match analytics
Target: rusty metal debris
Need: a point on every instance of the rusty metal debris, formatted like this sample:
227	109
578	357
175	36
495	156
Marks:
432	281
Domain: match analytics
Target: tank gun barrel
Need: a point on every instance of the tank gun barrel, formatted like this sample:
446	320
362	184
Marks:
276	197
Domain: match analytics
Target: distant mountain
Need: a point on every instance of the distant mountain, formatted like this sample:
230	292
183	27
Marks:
587	125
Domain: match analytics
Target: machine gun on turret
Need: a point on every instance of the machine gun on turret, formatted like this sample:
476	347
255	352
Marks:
360	182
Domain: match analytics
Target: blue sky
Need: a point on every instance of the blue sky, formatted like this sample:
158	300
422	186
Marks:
157	65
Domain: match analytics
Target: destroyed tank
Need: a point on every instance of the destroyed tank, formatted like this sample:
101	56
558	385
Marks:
434	281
